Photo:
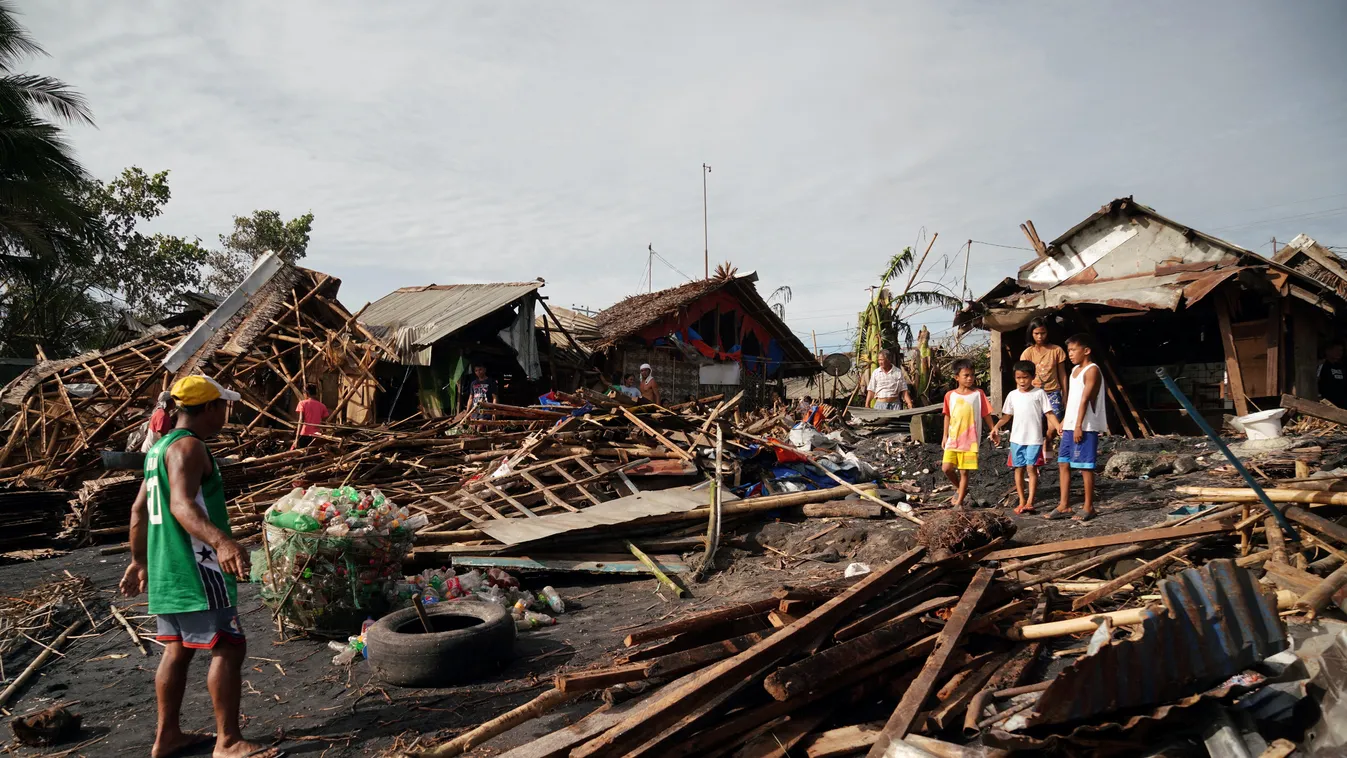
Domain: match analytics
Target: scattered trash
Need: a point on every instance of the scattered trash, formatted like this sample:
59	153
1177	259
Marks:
856	569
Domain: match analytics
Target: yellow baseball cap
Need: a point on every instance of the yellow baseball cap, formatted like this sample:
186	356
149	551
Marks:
199	390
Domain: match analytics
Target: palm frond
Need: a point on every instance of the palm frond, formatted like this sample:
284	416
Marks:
896	266
779	309
15	43
928	297
784	292
46	93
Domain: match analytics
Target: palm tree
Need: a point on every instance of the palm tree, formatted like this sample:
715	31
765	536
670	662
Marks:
40	179
884	324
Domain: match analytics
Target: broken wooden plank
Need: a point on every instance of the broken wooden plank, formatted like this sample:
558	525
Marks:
676	703
665	441
1315	409
906	713
700	621
1109	540
1120	581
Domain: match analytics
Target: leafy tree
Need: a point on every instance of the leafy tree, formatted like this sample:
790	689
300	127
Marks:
68	304
40	212
147	272
254	236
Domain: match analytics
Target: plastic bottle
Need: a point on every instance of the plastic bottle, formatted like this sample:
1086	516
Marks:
553	600
471	581
532	620
346	657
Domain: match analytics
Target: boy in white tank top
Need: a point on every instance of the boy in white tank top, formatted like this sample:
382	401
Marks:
1082	421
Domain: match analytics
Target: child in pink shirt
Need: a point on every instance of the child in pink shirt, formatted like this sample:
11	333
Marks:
311	412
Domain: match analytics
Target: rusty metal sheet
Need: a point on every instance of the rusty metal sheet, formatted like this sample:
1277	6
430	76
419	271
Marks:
1217	622
1200	288
1097	737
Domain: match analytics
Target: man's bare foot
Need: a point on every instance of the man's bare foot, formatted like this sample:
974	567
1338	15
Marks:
169	745
245	749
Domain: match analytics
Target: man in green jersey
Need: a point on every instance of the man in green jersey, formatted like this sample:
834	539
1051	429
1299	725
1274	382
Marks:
181	549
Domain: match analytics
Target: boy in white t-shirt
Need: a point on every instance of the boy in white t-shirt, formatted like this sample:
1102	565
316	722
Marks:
1026	406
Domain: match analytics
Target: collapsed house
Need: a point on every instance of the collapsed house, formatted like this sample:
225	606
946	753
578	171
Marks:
702	338
1152	292
281	329
438	332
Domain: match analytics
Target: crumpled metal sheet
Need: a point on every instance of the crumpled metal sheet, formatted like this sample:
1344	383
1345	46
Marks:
1101	737
1219	622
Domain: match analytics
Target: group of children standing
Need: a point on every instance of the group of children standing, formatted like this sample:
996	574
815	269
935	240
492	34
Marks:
1036	401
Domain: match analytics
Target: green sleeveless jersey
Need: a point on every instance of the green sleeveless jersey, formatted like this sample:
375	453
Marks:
184	574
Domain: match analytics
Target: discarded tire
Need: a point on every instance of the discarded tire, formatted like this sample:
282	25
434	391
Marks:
470	639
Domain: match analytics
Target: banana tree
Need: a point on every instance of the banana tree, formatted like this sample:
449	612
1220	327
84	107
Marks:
885	323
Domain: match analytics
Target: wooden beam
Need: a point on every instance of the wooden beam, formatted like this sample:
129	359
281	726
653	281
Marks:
1222	304
1275	494
1123	538
1117	583
660	437
906	713
679	702
996	372
1314	408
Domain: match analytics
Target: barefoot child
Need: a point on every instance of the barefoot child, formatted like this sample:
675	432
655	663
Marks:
1026	406
1083	422
966	409
1049	365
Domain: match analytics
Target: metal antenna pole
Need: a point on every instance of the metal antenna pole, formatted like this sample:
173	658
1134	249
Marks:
706	246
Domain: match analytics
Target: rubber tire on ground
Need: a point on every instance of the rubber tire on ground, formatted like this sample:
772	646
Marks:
440	658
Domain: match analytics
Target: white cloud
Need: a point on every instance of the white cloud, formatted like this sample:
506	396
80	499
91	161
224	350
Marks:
487	141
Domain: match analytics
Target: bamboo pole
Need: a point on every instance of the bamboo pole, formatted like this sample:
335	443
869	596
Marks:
37	662
501	724
1242	495
1088	623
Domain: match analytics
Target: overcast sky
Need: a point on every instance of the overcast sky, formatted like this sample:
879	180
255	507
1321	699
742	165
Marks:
489	141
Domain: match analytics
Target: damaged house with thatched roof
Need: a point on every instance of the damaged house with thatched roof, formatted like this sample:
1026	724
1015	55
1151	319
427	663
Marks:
707	337
1235	329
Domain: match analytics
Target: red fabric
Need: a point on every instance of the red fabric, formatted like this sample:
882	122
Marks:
312	412
789	455
160	422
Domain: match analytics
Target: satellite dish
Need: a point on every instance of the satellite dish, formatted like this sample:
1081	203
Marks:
837	364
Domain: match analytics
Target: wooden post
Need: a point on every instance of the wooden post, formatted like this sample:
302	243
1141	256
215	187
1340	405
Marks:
997	379
1276	329
1305	345
1222	305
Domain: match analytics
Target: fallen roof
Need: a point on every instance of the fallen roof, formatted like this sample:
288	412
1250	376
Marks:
422	316
583	328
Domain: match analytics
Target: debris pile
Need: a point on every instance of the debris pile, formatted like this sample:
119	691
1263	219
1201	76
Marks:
281	329
1158	629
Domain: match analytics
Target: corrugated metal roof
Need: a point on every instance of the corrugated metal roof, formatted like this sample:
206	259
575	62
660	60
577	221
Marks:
581	327
421	316
1219	621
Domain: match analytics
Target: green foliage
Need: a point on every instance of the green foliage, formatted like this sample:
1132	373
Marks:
884	324
252	237
147	273
39	175
68	304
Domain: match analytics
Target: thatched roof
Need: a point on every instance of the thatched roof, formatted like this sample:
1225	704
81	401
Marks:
628	317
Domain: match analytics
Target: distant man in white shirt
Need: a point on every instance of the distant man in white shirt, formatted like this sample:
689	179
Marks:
887	383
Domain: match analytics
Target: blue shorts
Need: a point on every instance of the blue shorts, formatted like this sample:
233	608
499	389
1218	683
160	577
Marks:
1055	401
1025	455
1079	453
